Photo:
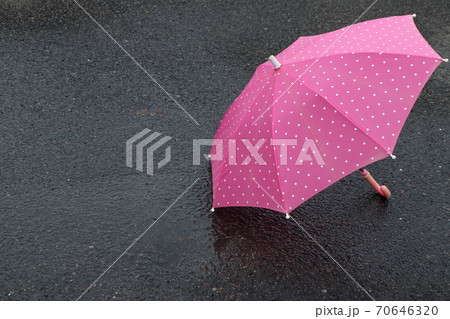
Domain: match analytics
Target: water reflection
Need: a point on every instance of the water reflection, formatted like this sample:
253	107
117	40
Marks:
256	239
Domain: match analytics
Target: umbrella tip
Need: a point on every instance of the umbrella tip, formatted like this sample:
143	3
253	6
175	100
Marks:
212	209
288	216
276	64
445	60
393	156
414	15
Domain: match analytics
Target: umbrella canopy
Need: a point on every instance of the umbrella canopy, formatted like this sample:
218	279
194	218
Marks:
326	106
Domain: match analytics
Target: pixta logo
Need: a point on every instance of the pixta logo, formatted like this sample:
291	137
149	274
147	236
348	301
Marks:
291	151
252	151
146	144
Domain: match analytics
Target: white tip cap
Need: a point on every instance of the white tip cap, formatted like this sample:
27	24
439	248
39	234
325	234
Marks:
445	60
288	216
212	210
414	15
393	156
276	64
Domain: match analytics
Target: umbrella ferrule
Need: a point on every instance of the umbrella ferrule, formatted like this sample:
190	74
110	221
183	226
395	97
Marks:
276	64
288	216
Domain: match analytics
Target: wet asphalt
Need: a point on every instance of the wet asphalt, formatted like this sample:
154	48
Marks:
69	206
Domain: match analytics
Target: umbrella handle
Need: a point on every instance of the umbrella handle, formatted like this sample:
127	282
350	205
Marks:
382	190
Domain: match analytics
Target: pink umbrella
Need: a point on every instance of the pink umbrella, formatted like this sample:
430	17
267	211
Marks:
326	106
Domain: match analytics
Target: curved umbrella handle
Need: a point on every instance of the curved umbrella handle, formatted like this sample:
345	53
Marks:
382	190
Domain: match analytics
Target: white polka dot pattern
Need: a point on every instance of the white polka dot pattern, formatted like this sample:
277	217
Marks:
351	100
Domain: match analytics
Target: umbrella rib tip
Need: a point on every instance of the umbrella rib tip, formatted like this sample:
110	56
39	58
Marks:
414	15
288	216
445	60
212	209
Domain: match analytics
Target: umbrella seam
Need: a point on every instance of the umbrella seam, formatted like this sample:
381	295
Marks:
365	52
240	122
275	155
344	115
303	49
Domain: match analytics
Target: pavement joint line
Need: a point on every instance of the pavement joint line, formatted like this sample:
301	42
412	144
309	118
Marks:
317	59
137	63
136	240
317	243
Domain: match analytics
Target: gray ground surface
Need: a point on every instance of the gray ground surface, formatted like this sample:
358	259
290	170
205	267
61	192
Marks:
70	98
